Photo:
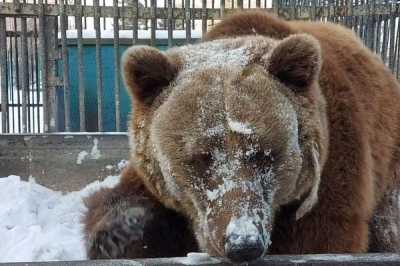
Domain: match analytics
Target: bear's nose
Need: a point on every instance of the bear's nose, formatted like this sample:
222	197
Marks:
243	248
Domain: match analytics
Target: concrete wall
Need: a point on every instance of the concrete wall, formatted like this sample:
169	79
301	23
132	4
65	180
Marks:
63	162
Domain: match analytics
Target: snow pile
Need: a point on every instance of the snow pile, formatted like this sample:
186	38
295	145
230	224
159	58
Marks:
39	224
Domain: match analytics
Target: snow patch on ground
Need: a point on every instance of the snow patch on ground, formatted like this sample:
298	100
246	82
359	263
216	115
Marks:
39	224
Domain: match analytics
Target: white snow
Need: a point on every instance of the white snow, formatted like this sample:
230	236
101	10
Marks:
242	226
195	258
239	127
81	156
39	224
94	153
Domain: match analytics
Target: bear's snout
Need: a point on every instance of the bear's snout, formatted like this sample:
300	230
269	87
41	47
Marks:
240	248
244	242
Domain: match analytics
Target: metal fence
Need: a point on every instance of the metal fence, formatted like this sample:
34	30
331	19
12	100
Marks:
45	61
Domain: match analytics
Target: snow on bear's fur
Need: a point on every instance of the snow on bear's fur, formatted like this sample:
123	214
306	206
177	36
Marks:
268	137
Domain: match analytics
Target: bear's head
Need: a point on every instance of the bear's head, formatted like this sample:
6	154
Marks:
227	131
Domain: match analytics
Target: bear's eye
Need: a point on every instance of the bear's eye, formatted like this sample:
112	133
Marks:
259	157
201	160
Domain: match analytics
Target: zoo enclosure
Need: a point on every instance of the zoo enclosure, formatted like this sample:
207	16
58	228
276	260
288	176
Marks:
59	59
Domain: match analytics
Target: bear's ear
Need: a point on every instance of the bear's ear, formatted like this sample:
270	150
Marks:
296	61
147	71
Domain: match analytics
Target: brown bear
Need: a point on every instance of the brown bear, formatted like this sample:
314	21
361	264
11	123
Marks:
270	137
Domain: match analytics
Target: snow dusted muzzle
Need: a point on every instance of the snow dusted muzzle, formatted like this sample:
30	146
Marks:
239	224
243	241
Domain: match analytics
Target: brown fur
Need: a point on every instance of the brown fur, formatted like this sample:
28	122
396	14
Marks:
362	97
345	102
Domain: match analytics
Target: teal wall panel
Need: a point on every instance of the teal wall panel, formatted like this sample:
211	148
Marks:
91	89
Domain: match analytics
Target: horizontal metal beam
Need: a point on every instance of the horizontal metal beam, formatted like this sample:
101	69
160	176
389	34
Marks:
64	162
300	12
281	260
9	9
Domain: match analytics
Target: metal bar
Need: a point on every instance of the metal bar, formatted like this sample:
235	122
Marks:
144	13
170	23
193	7
204	18
51	35
116	68
81	69
99	70
222	8
397	52
11	90
17	75
24	77
31	116
240	4
65	59
187	21
153	21
3	76
391	40
43	66
37	81
134	21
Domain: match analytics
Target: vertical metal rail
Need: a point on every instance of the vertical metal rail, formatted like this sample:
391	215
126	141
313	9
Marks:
212	7
240	4
31	99
17	76
116	67
392	36
187	21
203	17
65	60
170	23
43	66
3	76
81	69
24	75
51	34
37	82
397	52
153	21
193	20
11	122
222	8
99	70
135	21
